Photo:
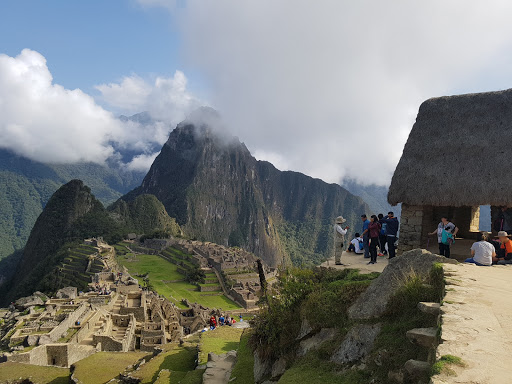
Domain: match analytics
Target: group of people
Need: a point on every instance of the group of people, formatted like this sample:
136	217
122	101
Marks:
487	251
221	321
379	232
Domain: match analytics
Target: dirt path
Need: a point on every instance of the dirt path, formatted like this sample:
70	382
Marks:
357	261
477	324
219	367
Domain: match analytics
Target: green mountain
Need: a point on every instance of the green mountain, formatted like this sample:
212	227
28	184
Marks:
26	186
219	192
71	215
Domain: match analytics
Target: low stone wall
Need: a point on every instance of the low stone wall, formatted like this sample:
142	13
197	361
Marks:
61	329
210	288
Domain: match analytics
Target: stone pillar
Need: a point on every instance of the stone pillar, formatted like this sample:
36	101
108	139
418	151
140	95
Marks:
411	228
474	226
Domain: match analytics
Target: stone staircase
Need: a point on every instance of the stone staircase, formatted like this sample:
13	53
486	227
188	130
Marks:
97	326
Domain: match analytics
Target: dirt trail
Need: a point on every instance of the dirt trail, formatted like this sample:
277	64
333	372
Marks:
357	261
477	324
219	367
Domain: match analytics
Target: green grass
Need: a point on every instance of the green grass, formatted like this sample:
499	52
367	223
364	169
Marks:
443	365
312	370
178	361
111	363
219	341
39	375
161	270
243	371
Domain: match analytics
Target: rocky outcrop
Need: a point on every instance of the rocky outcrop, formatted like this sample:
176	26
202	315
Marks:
316	341
29	301
357	344
373	302
66	293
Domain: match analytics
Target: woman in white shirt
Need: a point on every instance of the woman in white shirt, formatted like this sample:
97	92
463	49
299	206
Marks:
482	251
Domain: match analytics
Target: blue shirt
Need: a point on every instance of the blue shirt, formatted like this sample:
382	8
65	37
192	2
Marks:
366	223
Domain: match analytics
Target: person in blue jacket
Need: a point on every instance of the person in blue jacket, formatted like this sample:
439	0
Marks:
392	226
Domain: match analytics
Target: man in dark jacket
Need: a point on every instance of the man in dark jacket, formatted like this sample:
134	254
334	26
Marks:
391	231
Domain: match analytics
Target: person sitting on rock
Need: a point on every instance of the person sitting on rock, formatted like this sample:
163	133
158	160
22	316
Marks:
221	320
213	323
504	254
482	252
356	245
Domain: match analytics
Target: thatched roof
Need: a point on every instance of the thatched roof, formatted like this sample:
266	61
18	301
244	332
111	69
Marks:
459	153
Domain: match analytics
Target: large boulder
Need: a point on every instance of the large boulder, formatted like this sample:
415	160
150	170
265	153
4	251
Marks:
314	342
357	344
262	368
29	301
31	340
66	293
373	302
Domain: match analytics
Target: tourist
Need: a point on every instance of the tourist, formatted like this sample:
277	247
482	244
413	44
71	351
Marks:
356	245
339	237
213	323
504	254
392	226
221	320
374	231
382	236
482	252
446	232
504	221
366	236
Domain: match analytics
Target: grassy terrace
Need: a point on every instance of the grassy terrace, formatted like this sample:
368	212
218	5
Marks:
161	272
10	372
111	363
219	341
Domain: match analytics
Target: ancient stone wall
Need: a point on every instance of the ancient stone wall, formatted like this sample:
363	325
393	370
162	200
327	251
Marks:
57	332
411	227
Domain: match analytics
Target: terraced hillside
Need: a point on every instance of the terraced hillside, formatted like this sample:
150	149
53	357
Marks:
167	274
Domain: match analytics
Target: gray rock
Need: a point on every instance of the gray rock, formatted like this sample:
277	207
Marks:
373	302
31	340
262	368
430	308
357	344
66	293
396	377
416	368
45	339
28	301
241	324
316	341
279	367
305	329
426	337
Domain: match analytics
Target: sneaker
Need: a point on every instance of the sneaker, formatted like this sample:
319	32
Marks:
339	264
371	262
380	255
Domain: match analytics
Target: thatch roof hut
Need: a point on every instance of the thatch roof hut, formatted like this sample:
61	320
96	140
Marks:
455	160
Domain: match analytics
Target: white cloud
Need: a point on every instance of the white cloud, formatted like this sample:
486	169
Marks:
329	86
46	122
166	99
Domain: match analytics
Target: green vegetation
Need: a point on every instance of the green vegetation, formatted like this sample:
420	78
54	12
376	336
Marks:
10	372
219	341
243	372
111	363
162	273
321	295
314	370
443	365
178	360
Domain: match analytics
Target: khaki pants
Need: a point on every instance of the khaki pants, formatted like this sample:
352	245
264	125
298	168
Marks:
338	250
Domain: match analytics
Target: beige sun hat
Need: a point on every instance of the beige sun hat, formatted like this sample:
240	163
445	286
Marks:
503	234
340	220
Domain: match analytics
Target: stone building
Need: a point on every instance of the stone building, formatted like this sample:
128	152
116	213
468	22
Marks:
454	162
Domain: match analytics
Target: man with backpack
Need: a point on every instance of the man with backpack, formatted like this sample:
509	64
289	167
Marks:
356	245
392	225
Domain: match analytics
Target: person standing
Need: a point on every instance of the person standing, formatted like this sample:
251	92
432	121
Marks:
339	237
374	231
392	226
446	232
382	236
366	236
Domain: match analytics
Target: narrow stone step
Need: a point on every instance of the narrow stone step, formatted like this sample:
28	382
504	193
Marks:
429	308
426	337
416	368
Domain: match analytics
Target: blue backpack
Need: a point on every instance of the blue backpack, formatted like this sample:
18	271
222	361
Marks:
361	245
383	229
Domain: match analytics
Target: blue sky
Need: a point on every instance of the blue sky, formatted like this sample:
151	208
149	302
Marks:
91	42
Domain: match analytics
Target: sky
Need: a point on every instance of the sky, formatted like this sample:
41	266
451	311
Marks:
327	88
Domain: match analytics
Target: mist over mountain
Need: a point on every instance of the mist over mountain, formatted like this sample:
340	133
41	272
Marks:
217	191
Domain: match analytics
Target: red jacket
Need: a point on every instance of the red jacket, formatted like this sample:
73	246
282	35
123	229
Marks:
374	229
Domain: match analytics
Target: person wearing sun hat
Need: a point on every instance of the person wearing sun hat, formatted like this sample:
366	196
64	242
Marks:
339	237
504	254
